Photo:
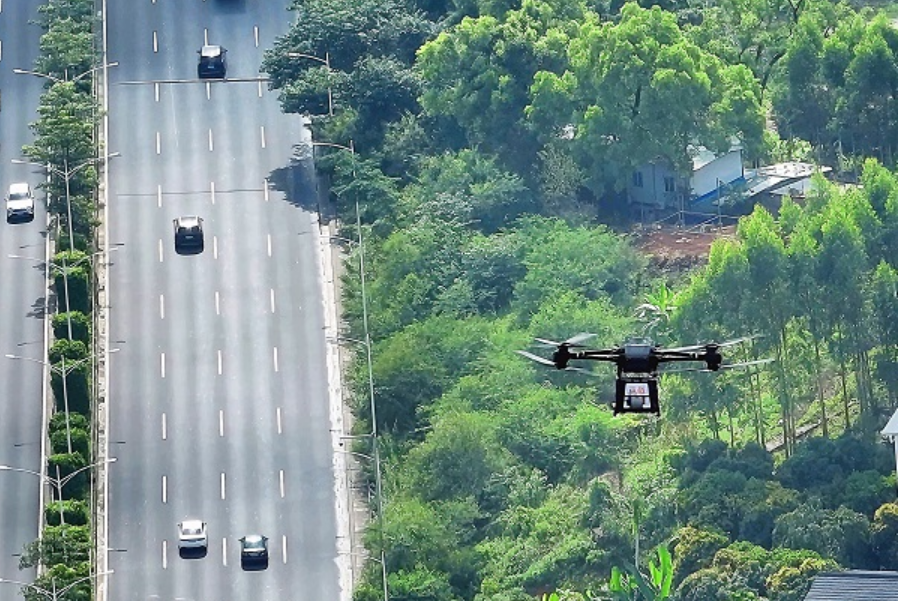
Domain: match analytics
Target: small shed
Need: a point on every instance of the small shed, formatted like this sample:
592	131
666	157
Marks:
854	585
890	433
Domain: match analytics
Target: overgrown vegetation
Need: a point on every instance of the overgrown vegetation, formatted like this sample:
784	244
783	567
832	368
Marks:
492	144
65	140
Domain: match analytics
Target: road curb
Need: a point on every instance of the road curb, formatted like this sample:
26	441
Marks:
101	332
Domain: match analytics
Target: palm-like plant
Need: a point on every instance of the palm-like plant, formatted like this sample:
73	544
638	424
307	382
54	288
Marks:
657	310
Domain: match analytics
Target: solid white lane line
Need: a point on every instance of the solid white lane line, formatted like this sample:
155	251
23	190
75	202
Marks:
256	34
156	90
265	189
162	306
224	551
164	428
159	195
285	548
269	245
164	555
217	304
155	42
162	364
215	247
272	300
262	132
165	489
222	485
158	143
280	429
219	363
281	482
205	36
211	145
275	356
160	250
221	422
1	53
212	189
260	89
208	90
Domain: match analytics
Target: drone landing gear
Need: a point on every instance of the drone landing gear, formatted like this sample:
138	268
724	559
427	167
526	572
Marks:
636	394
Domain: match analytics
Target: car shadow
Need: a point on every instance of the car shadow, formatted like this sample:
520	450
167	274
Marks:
231	6
193	553
14	220
253	565
190	250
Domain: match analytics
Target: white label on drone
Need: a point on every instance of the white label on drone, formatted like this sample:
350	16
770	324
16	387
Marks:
636	389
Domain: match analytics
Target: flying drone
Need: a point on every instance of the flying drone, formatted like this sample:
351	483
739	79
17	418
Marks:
637	361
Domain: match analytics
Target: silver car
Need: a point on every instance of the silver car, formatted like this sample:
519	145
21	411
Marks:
19	202
192	534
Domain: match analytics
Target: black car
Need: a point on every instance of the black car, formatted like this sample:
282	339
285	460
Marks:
188	233
213	62
254	549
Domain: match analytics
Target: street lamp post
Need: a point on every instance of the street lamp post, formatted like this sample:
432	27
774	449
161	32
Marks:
65	78
55	595
67	174
327	63
57	483
63	371
367	344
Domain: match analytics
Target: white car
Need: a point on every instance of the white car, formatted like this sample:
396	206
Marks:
19	202
192	534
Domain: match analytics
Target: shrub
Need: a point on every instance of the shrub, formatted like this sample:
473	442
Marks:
80	440
74	512
72	350
76	420
80	326
67	464
76	391
78	282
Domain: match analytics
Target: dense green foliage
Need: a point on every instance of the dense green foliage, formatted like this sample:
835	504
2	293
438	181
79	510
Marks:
491	141
64	141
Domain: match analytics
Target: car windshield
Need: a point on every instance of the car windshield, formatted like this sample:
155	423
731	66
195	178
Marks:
254	543
192	530
18	196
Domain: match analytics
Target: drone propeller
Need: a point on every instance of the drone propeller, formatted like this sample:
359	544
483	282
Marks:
724	366
711	345
573	341
544	361
536	358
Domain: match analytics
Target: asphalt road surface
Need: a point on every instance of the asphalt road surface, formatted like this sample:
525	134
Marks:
218	394
22	297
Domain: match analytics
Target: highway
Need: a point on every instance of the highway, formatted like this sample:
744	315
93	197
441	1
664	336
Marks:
218	396
22	297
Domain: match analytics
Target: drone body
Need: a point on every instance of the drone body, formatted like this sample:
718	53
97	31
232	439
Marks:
637	361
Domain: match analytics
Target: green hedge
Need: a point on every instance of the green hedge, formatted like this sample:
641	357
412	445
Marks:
81	326
74	512
69	463
80	439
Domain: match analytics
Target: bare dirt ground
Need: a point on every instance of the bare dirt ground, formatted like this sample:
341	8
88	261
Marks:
680	248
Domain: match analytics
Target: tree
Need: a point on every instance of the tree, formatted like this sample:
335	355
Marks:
66	544
63	132
884	535
457	458
639	91
479	72
694	549
840	534
67	51
62	577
